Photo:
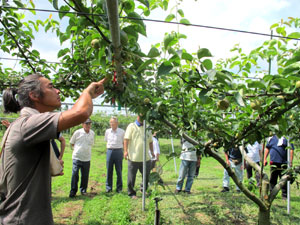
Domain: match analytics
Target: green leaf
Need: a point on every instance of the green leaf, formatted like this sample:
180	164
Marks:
257	84
138	19
294	67
168	39
187	56
239	99
19	3
294	35
153	52
234	64
274	25
145	2
170	17
185	21
63	8
145	64
164	69
282	82
207	63
54	3
203	52
62	52
181	13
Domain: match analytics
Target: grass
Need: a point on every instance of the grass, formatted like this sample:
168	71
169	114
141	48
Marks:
206	205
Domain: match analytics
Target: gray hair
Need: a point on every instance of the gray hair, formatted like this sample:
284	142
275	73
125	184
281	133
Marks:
114	118
15	99
29	84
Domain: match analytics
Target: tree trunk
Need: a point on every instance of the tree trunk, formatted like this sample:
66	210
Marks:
264	217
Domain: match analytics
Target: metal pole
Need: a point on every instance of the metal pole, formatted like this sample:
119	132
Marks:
173	156
270	62
144	165
288	183
113	19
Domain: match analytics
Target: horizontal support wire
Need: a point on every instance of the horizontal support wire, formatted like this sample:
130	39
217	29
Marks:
157	21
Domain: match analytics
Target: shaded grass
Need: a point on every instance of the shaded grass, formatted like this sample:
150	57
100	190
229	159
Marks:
206	205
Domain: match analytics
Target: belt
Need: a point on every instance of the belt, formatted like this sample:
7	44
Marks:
115	148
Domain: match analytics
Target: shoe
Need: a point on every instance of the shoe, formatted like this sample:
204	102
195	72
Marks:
118	191
72	195
107	191
133	197
187	192
238	191
83	193
225	189
177	191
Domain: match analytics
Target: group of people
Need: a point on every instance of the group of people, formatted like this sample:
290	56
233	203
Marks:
276	147
25	179
120	144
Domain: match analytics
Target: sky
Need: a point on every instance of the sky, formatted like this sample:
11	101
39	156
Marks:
254	16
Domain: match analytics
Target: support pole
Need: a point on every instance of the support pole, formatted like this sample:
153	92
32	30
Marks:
288	183
174	158
144	165
113	19
270	61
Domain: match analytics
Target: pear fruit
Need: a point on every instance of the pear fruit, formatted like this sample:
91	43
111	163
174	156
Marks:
223	104
256	104
95	43
298	84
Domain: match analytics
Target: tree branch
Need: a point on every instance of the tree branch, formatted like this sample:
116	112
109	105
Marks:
88	18
19	47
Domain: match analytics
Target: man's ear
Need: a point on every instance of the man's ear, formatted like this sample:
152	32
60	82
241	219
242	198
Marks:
34	97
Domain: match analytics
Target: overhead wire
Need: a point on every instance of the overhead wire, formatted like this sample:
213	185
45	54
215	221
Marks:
154	20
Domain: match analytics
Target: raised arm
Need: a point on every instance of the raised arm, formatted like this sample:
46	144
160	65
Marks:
83	107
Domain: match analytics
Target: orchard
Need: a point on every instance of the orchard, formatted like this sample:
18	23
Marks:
212	104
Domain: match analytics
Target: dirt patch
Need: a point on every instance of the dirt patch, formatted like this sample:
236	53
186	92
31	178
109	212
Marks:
71	212
203	218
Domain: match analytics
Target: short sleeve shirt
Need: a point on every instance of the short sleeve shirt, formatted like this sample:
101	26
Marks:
114	138
277	149
189	152
135	135
234	153
83	143
25	186
253	151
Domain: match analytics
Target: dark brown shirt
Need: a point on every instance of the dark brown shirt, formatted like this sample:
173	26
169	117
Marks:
24	171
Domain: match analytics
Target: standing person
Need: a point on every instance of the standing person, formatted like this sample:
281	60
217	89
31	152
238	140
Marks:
81	141
277	147
25	187
133	151
254	153
114	155
156	151
234	159
187	168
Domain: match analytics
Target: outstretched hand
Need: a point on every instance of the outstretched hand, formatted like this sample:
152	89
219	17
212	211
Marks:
96	88
5	123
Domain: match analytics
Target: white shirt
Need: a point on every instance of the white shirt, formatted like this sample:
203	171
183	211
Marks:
83	143
156	149
188	152
114	138
253	151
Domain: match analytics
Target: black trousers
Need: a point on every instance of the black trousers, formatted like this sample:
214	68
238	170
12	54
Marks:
276	172
133	167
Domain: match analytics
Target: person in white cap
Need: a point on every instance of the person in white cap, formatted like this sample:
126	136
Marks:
82	142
